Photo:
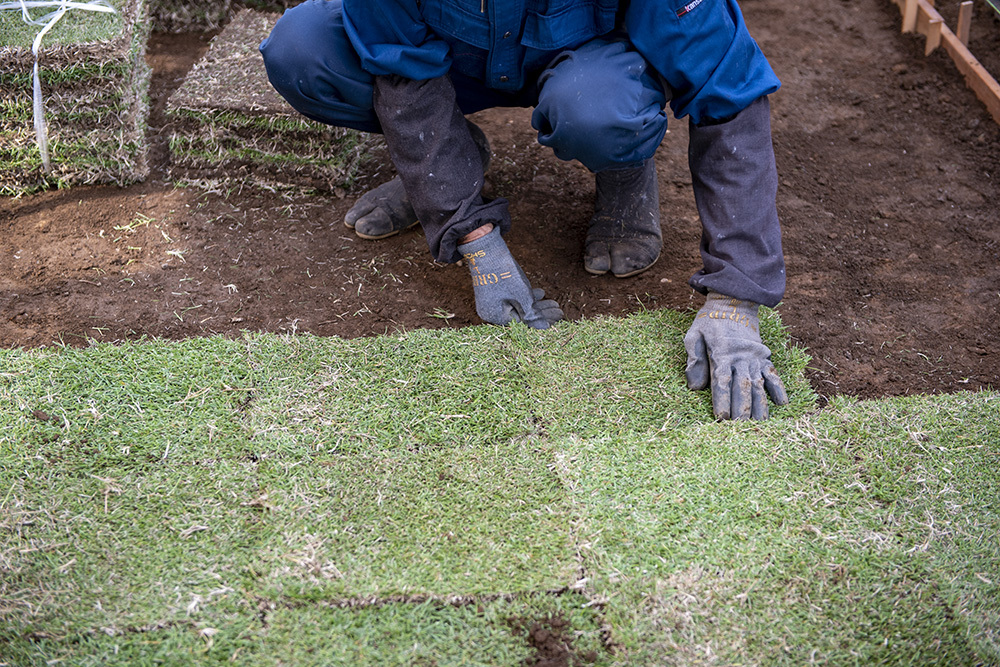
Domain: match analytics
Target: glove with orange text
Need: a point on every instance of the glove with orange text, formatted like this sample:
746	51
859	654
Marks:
503	293
725	351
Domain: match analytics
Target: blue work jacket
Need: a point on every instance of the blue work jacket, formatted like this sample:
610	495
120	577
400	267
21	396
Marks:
701	48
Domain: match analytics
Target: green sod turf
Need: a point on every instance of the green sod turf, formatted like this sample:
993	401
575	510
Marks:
77	26
427	498
617	376
486	633
865	533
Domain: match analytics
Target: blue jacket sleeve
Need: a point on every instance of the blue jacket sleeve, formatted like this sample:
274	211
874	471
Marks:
391	38
704	52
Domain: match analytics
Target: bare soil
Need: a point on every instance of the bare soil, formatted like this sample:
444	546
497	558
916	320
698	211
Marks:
890	178
551	640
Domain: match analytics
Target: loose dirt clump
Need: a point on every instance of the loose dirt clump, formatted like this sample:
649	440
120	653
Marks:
551	639
889	177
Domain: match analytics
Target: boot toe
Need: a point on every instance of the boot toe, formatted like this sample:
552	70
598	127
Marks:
381	212
358	211
628	259
597	259
378	225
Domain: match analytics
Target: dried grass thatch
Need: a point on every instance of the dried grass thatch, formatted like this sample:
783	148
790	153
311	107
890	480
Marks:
188	15
199	15
227	121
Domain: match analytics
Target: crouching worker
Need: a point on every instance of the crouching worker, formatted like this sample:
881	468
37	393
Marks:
599	74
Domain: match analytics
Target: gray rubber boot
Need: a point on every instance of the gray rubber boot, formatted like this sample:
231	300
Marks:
624	235
385	211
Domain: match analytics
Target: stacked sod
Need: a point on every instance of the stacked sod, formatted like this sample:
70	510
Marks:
228	122
188	15
94	83
272	5
195	15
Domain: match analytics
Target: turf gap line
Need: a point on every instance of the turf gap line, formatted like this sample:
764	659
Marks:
111	631
566	479
457	601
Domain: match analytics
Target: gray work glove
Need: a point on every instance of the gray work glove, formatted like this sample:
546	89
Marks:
725	351
503	293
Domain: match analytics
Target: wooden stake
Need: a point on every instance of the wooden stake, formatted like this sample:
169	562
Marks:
977	78
964	22
934	26
910	15
920	16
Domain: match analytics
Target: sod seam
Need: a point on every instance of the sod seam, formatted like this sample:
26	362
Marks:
805	537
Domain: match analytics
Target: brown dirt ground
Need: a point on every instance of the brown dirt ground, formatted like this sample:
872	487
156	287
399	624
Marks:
890	177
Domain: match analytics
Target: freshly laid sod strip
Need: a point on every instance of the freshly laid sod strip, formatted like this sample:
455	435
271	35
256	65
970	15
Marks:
425	498
422	390
227	121
864	534
94	83
132	407
149	549
439	522
616	376
606	376
487	633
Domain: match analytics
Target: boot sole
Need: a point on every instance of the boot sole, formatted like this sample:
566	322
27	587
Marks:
371	237
622	275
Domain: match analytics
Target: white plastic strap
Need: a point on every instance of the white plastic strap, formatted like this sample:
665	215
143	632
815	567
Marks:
47	22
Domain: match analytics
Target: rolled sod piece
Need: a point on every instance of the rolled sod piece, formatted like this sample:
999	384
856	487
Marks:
94	84
227	122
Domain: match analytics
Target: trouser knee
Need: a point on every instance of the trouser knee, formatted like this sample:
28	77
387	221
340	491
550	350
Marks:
601	104
311	63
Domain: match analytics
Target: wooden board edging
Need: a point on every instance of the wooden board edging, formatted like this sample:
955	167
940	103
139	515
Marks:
920	16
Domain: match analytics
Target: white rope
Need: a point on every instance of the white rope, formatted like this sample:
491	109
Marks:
47	22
